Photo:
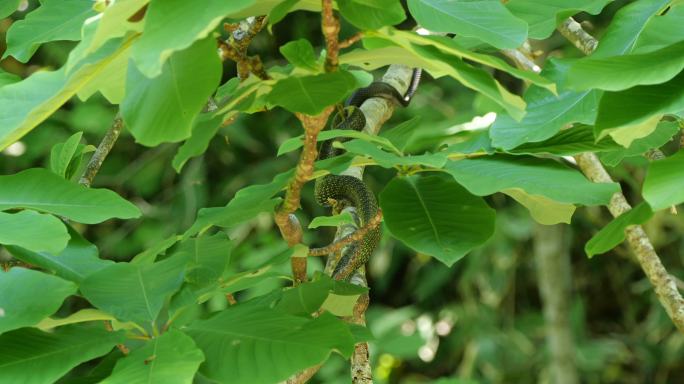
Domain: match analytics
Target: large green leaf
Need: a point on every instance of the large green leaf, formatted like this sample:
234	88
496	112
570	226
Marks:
133	291
661	30
8	7
626	27
42	190
436	216
162	109
171	358
165	19
31	356
204	127
74	263
389	160
34	231
208	257
664	183
638	105
247	203
8	78
53	20
408	40
488	175
487	20
21	305
253	344
23	105
114	21
568	142
663	133
311	94
615	73
372	14
542	16
546	113
300	53
614	233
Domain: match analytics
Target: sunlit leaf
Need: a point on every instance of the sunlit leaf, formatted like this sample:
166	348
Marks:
664	183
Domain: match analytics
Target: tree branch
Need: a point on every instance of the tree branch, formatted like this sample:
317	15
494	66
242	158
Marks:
235	48
663	284
355	236
330	25
101	152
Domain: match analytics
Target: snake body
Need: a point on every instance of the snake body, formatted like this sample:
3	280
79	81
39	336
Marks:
343	190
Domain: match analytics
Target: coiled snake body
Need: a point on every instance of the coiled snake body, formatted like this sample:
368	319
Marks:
342	190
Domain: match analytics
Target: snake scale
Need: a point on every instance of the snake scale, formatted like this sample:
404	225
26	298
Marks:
343	190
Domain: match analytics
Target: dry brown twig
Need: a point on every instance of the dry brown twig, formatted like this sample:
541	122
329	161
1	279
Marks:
346	240
235	47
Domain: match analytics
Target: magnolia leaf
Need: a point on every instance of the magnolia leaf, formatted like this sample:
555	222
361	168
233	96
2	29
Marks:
21	306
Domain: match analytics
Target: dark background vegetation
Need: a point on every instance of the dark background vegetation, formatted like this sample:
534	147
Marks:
481	319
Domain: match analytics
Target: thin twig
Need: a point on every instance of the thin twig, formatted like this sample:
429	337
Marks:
101	152
348	42
352	238
573	31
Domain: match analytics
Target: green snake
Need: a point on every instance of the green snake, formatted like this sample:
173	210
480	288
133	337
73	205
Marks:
342	190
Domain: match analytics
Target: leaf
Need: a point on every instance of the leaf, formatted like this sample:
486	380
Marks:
33	230
42	190
133	291
436	216
204	128
616	73
8	7
626	27
113	22
542	16
25	104
486	20
546	113
663	133
8	78
389	160
53	20
306	298
542	209
82	316
474	78
172	358
208	257
613	234
641	104
281	10
20	306
372	14
295	143
331	221
62	154
664	183
247	203
488	175
162	109
568	142
301	54
163	21
408	40
31	356
255	344
402	134
661	30
74	263
311	94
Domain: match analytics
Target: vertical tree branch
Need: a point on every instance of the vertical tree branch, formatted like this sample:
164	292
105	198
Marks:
554	276
101	152
330	26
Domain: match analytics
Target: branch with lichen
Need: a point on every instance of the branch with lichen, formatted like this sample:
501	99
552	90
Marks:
663	284
101	152
235	47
